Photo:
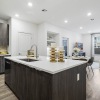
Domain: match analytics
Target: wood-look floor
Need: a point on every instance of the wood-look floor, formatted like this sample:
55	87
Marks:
5	92
93	88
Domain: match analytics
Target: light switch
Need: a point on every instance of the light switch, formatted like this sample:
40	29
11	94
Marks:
78	77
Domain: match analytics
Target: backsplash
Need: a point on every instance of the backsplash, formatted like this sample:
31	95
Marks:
3	50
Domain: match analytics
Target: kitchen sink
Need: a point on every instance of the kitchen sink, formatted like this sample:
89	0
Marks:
28	60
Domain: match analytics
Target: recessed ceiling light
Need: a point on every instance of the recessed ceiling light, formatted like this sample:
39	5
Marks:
89	14
30	4
81	28
66	21
17	15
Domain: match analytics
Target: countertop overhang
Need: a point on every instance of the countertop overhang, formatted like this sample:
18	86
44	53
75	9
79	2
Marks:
45	65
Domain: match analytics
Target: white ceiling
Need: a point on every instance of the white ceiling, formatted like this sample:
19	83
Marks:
75	11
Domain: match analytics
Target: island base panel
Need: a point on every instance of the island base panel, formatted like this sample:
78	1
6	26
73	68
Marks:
31	84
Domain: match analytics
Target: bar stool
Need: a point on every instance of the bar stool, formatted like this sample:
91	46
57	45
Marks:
89	65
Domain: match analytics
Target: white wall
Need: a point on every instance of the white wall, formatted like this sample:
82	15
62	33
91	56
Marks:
42	40
42	37
20	26
39	34
86	38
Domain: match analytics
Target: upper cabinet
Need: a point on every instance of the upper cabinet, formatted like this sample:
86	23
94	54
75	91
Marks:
4	35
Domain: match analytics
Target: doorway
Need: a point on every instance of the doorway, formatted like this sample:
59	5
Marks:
95	46
65	43
24	43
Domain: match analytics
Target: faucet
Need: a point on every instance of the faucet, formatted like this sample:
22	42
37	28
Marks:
36	49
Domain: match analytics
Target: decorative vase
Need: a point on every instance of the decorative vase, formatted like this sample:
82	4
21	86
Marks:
61	56
53	55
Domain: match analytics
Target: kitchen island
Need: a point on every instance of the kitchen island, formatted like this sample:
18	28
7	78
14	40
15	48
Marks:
44	80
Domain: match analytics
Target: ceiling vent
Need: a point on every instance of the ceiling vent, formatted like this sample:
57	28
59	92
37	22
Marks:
44	10
92	19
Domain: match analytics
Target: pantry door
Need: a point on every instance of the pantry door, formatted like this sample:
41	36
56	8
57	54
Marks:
24	43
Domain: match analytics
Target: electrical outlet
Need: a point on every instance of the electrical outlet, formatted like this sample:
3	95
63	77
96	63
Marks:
78	77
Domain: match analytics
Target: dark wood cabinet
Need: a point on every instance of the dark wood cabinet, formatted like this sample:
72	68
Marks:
12	75
31	84
65	85
2	63
8	72
44	86
2	68
81	84
21	80
4	35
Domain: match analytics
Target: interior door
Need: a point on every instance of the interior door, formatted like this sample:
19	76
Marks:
65	42
24	43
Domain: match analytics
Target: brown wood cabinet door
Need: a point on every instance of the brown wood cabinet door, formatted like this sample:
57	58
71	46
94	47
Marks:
73	87
13	76
77	81
81	92
4	35
65	85
20	81
30	87
43	86
2	68
70	84
4	30
8	72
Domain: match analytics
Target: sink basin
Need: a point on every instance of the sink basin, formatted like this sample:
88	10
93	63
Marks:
29	60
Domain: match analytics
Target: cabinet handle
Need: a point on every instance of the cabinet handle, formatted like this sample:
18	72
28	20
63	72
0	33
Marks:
78	77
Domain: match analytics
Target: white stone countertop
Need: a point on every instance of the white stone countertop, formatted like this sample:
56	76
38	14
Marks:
45	65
